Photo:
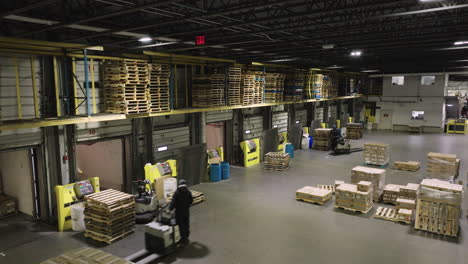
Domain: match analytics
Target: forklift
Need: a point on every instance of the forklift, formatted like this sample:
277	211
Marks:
340	144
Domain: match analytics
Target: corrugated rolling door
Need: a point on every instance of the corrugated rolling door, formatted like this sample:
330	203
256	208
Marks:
253	127
280	121
100	130
301	116
96	97
218	116
318	114
167	141
19	138
333	112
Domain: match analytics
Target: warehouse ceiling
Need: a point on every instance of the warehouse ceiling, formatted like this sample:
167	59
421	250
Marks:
392	36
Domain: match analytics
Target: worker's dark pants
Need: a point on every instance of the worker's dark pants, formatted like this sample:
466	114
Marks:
184	226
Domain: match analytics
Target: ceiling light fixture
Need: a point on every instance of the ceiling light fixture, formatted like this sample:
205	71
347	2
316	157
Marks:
145	39
328	46
460	43
450	105
370	71
356	53
335	67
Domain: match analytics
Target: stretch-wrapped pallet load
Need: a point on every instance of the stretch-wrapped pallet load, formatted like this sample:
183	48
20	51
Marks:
373	175
314	195
109	215
348	197
274	87
410	191
442	166
322	139
391	192
277	161
376	154
439	207
208	90
354	130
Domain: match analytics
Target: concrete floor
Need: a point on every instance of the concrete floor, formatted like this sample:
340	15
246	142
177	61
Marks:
254	218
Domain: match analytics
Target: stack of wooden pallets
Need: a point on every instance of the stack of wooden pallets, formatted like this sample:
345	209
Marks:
442	166
277	161
313	195
439	207
86	256
406	165
357	198
391	192
7	206
375	176
234	85
198	197
109	215
274	87
376	154
294	86
314	85
208	90
353	130
322	139
329	86
159	88
252	87
125	86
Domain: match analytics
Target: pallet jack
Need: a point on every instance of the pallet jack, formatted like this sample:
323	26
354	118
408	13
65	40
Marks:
341	146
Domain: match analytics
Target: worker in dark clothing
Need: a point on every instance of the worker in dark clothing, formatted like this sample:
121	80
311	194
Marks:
181	202
464	111
335	136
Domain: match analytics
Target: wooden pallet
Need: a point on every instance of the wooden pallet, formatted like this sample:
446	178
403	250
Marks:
375	165
105	238
86	256
386	213
198	197
313	201
354	210
327	187
110	200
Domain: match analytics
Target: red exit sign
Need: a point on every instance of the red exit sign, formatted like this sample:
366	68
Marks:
200	40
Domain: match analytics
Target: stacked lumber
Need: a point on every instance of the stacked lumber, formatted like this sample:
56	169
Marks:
391	192
109	215
234	85
349	197
373	175
277	161
253	87
376	154
410	191
354	130
274	87
198	197
158	88
86	256
322	139
208	90
442	166
329	86
125	86
313	195
439	207
294	84
7	206
406	165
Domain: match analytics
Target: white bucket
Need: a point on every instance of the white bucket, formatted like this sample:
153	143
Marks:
77	217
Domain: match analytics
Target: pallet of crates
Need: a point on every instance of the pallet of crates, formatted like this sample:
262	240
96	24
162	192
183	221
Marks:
438	207
354	130
373	175
86	256
442	166
109	215
159	88
234	85
313	195
356	198
376	154
390	193
277	161
322	139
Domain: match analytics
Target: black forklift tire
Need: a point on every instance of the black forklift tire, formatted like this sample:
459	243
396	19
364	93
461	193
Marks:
144	218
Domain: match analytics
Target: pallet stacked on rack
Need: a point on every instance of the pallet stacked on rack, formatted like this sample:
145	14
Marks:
252	87
329	86
234	85
274	87
352	197
125	86
277	161
354	130
314	85
376	154
198	197
208	90
438	208
159	88
294	86
322	139
442	166
375	176
109	215
391	192
406	165
313	195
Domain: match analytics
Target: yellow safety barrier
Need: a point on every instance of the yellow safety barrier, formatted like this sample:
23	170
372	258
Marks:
324	125
285	136
350	119
66	197
338	123
457	127
152	172
251	157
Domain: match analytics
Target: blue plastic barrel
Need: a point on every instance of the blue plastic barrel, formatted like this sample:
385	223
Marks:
226	170
215	172
311	141
290	150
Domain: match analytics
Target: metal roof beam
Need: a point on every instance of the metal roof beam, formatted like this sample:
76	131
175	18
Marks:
26	8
